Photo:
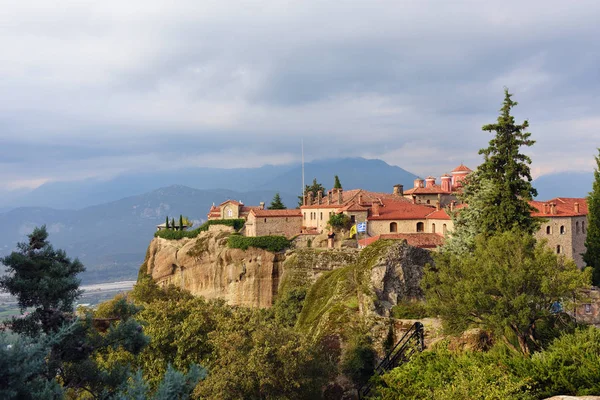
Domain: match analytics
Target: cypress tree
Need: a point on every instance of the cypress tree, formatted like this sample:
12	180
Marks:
180	222
592	240
167	222
337	184
173	224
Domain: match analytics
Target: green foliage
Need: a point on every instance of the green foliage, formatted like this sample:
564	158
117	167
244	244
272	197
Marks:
287	308
340	221
43	278
314	188
358	360
167	222
499	190
592	240
276	203
570	365
442	374
180	222
410	310
270	243
237	224
337	184
508	283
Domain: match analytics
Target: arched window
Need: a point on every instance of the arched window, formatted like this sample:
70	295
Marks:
432	228
420	227
428	201
229	212
562	230
577	230
265	220
444	229
393	227
548	230
321	216
558	249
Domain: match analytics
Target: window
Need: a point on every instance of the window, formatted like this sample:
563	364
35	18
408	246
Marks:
444	229
321	216
393	227
420	227
229	212
577	230
428	201
548	230
265	220
587	308
304	216
432	228
352	219
558	249
562	230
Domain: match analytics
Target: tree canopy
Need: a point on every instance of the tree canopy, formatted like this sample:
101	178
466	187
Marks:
314	188
592	241
276	203
337	184
509	283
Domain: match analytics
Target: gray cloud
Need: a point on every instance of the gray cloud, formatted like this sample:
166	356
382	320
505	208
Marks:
95	90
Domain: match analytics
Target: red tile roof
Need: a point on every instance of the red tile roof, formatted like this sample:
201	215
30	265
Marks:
277	213
398	210
422	240
462	168
565	207
234	202
435	189
439	214
352	196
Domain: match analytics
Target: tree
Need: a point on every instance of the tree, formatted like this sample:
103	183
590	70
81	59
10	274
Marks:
592	240
167	222
499	191
173	224
276	203
314	188
180	222
508	284
337	184
43	278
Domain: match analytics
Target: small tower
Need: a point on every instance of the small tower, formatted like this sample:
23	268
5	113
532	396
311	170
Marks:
446	183
459	174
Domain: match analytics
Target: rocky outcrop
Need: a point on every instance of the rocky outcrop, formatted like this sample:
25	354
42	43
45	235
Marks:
206	267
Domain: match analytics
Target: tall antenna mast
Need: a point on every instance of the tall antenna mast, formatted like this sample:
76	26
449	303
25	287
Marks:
303	187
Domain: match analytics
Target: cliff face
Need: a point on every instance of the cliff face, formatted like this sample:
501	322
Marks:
206	267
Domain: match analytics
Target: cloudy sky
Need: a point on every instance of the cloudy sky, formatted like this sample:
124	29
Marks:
101	88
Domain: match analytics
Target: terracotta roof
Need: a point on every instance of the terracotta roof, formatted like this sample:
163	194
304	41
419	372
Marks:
435	189
565	207
352	196
277	213
247	209
353	207
234	202
439	214
397	210
462	168
422	240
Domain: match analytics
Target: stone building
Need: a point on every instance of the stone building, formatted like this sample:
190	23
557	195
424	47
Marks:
232	209
565	225
287	223
427	191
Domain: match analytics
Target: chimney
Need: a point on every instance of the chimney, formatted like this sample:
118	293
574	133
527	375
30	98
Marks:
310	198
430	181
419	183
329	197
452	206
340	197
319	196
546	208
414	199
261	205
375	209
398	190
360	199
553	208
438	206
576	208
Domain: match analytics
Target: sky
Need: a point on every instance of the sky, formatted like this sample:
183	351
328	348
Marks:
94	89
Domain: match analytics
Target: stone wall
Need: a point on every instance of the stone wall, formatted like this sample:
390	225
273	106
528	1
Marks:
286	226
404	226
570	240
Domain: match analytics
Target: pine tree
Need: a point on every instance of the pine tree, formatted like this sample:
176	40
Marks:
276	203
509	174
497	193
592	240
337	184
314	188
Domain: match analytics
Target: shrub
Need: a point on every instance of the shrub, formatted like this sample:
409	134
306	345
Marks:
340	221
237	224
409	310
358	361
270	243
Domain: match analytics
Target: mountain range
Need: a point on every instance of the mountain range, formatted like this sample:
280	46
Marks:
108	224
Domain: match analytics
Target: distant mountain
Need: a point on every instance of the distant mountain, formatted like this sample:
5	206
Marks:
564	184
374	175
111	238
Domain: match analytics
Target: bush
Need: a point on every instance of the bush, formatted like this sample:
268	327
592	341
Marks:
287	308
358	361
340	221
409	310
270	243
170	234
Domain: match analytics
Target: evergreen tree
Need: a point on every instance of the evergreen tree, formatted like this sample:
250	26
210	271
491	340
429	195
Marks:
173	224
337	184
276	203
497	193
167	222
592	240
180	222
314	188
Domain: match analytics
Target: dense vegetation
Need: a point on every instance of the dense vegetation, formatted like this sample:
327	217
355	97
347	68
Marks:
173	234
592	241
270	243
